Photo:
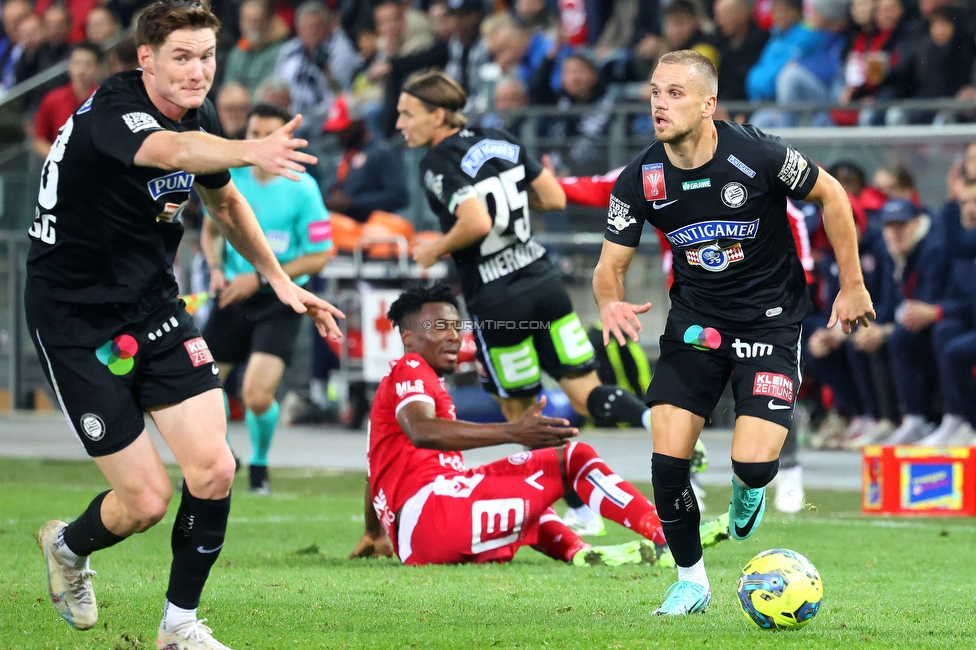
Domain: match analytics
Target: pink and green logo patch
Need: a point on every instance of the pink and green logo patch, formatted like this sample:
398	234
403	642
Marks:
703	338
118	354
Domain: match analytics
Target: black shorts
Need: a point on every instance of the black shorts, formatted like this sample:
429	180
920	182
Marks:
105	387
697	361
262	323
537	331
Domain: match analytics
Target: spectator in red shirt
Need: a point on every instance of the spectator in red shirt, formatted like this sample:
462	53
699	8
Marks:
84	68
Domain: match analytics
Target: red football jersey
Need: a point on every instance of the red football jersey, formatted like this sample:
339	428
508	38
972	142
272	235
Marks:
398	469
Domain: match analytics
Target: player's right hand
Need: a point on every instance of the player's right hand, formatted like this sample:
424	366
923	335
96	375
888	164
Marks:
619	318
370	546
537	431
278	153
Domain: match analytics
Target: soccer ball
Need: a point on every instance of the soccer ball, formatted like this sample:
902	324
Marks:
780	589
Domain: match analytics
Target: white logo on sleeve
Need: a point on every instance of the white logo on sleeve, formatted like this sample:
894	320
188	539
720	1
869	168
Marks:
435	183
618	214
794	166
773	406
140	122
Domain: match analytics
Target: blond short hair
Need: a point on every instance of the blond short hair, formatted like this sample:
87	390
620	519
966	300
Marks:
704	69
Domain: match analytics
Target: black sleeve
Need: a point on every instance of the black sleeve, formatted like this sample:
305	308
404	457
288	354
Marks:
211	124
789	172
120	124
533	167
625	218
444	182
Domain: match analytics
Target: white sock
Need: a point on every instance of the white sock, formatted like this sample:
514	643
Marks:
646	419
912	421
951	421
318	392
695	573
65	554
584	513
174	617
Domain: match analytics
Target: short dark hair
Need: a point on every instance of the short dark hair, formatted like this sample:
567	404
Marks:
850	168
125	51
162	18
681	7
413	300
85	46
266	109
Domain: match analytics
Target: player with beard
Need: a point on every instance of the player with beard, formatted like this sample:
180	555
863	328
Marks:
718	191
101	302
435	511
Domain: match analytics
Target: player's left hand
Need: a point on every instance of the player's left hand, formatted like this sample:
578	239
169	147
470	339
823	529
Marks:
305	302
242	287
426	253
852	307
370	546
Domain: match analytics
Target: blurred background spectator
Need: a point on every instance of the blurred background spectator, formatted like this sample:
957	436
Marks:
683	30
740	43
273	91
368	174
318	63
938	65
233	104
30	42
84	73
13	13
253	58
101	26
122	57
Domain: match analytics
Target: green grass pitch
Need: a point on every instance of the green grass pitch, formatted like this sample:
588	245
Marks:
283	581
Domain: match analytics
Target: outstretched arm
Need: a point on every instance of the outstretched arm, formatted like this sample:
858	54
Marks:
618	317
197	152
427	431
853	305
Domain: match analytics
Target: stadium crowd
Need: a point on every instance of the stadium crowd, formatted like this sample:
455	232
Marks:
341	63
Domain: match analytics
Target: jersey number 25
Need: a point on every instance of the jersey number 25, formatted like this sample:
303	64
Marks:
508	201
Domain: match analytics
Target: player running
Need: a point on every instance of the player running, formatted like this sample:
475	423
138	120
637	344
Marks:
718	191
250	324
436	511
594	192
481	185
102	308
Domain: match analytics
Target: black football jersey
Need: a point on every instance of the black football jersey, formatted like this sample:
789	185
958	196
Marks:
106	230
735	260
491	165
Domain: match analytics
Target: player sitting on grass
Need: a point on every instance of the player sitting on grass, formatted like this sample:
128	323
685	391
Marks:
435	511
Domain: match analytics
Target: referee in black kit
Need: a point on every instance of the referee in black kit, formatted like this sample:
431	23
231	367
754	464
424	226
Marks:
101	302
718	191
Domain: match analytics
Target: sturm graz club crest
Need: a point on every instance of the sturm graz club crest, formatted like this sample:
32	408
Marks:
734	195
